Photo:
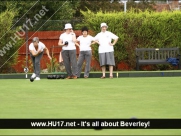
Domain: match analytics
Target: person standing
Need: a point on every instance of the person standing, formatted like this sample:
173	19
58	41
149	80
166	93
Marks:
36	49
67	42
85	54
106	49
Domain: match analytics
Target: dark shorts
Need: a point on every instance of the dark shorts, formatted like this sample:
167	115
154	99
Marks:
106	59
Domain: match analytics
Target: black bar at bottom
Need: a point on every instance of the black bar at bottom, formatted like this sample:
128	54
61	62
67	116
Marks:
90	123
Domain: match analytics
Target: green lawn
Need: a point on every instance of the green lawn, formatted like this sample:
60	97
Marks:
154	97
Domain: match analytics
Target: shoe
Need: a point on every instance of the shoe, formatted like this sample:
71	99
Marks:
74	77
37	78
103	77
33	75
111	77
69	77
85	76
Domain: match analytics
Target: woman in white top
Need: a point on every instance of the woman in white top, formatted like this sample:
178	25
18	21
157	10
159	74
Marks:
67	41
106	49
36	49
85	42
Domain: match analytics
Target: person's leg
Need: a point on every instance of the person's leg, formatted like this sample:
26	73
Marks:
111	71
110	62
102	61
60	59
80	62
88	61
37	64
103	71
66	60
33	62
73	60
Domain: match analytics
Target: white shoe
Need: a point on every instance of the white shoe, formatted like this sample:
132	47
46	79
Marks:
33	75
37	78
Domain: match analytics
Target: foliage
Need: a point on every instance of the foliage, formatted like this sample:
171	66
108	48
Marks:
65	11
60	12
53	65
8	48
107	6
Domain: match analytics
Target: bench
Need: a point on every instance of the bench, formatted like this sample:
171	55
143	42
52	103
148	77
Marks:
156	56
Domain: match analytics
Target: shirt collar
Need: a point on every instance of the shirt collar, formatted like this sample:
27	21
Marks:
103	32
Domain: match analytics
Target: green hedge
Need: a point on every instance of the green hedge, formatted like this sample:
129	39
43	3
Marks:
143	29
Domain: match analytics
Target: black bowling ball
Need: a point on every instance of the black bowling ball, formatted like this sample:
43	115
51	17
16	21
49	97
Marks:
58	77
50	76
54	76
66	43
31	79
62	76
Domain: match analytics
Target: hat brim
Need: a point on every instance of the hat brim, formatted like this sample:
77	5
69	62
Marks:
68	28
105	26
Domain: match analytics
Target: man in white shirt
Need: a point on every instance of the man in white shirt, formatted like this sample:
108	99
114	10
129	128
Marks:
67	42
85	42
36	49
106	49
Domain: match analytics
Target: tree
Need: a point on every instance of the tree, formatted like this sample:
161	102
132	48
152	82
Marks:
58	13
10	41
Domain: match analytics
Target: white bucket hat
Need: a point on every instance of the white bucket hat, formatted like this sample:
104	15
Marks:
68	26
104	24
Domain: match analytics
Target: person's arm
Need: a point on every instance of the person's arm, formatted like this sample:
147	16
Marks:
34	53
77	41
114	42
97	42
60	43
115	37
73	37
47	52
77	44
93	42
96	39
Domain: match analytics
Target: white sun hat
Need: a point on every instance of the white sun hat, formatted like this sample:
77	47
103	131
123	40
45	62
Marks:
68	26
104	24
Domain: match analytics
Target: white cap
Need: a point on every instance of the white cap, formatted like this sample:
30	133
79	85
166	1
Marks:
104	24
68	26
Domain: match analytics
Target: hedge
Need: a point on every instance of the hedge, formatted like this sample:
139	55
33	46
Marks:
148	29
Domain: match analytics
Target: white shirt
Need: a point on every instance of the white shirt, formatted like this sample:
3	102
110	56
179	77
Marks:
85	42
104	39
41	46
67	37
